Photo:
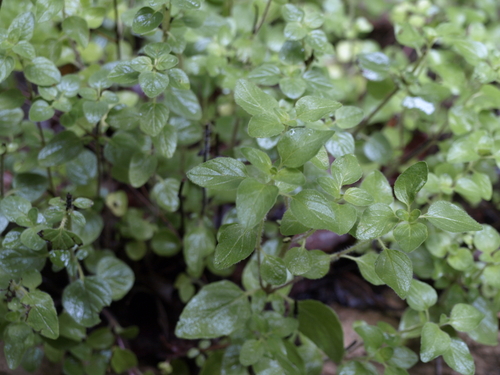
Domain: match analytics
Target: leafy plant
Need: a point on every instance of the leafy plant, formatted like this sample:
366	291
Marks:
222	135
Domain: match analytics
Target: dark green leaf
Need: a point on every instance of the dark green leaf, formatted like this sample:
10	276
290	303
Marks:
410	182
252	99
219	173
146	20
42	315
395	268
64	147
253	201
297	146
449	217
235	244
117	274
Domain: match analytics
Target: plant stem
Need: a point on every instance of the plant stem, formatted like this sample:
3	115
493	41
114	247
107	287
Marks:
2	169
99	159
117	30
206	152
166	23
262	20
52	191
336	256
181	207
259	250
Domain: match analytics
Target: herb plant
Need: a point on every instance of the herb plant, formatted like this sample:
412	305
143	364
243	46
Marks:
224	134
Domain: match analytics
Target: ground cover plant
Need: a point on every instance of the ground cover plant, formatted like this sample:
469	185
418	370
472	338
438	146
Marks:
164	164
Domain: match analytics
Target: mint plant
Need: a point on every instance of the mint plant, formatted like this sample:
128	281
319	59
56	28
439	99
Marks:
218	137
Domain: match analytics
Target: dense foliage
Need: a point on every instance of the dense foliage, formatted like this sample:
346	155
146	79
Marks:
230	132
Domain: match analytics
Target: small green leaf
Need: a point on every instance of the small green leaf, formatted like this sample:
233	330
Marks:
252	99
199	242
123	73
410	235
7	64
293	87
77	29
265	125
375	66
165	243
64	147
187	4
349	168
366	264
253	201
41	313
297	260
45	10
378	186
322	326
117	274
41	111
142	167
449	217
146	20
22	27
183	102
142	64
458	357
465	318
155	50
154	117
123	360
487	240
320	265
378	149
84	299
313	108
15	262
258	158
218	309
273	270
377	220
166	194
313	210
358	197
348	117
235	244
18	337
421	296
297	146
42	72
434	342
290	225
396	269
60	238
94	111
410	182
13	207
251	352
153	83
166	141
220	173
265	74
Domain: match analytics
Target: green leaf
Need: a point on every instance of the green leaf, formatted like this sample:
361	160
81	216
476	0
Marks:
63	147
321	265
290	226
199	242
82	169
218	309
396	269
377	220
42	72
434	342
7	64
123	360
374	66
183	102
297	260
253	201
358	197
265	74
153	83
292	13
410	235
348	117
117	274
421	296
166	141
289	179
378	186
349	169
41	111
13	207
313	108
84	299
41	314
94	111
295	31
236	243
378	149
465	318
487	240
142	64
155	50
293	87
45	10
60	238
77	29
146	20
410	182
252	99
187	4
258	158
313	210
22	27
154	117
165	243
165	62
472	51
14	262
18	337
123	73
83	203
220	173
273	270
142	167
297	146
166	194
178	79
265	125
251	352
458	357
366	264
322	326
449	217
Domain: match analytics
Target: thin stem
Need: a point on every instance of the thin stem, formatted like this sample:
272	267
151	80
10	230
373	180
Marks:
343	253
181	207
166	23
2	169
206	152
259	250
52	191
118	34
99	159
264	16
